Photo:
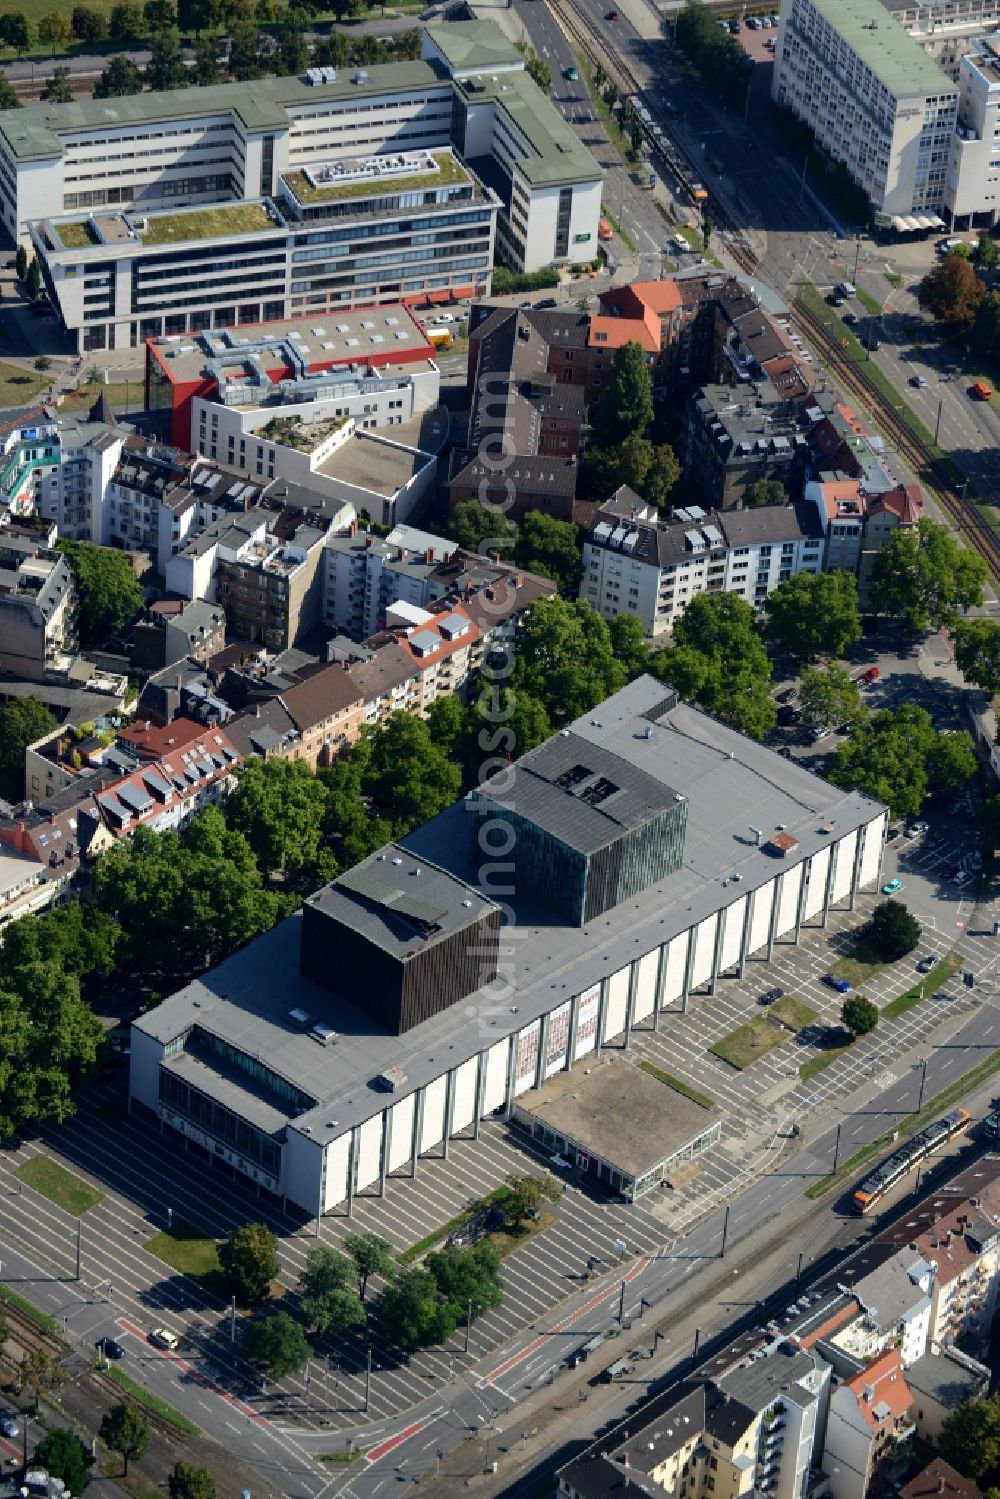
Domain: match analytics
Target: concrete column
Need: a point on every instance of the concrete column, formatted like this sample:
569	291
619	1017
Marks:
688	968
511	1076
831	874
574	1022
772	925
449	1112
800	913
352	1167
477	1112
386	1143
602	1015
661	983
633	986
720	934
543	1047
859	848
747	924
418	1127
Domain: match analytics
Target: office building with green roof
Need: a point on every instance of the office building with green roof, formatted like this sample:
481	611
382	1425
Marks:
167	213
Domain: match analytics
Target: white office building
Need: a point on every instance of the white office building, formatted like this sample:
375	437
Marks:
376	185
637	562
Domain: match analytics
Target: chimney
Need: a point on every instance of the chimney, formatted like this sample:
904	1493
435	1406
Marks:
399	554
256	711
941	1483
429	554
352	530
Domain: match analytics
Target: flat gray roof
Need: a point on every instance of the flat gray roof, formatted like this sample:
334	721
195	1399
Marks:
380	466
560	155
392	899
246	999
615	1110
759	1384
895	57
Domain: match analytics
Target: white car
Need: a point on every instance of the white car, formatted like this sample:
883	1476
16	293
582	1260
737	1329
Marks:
444	317
560	1163
162	1337
916	829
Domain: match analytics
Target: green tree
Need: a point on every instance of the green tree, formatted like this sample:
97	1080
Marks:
159	15
292	49
477	527
64	1456
372	1255
57	90
196	15
550	548
536	67
626	403
280	808
951	291
107	588
246	59
88	25
9	98
126	1431
886	757
36	1371
718	56
276	1342
413	1312
187	1481
21	262
651	469
249	1258
986	329
206	69
42	363
467	1277
895	930
49	1039
328	1300
54	30
628	641
33	280
925	577
719	662
166	68
977	652
985	254
15	31
951	763
970	1438
815	614
22	721
565	658
453	727
76	939
524	1196
765	492
356	830
125	25
859	1015
409	778
829	696
120	77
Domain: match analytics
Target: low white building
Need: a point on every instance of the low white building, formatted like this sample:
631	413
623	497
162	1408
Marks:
637	562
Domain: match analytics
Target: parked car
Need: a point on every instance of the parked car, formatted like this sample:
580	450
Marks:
443	317
833	982
547	302
917	381
849	317
786	696
162	1337
870	676
891	886
926	964
770	996
960	876
949	871
9	1428
110	1348
821	731
917	829
572	75
560	1163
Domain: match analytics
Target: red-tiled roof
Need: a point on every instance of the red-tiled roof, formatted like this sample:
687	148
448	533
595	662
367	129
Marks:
881	1389
150	741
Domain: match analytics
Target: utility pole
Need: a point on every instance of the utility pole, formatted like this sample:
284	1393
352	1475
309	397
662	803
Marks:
468	1326
836	1147
697	1341
79	1234
937	424
232	1320
725	1233
621	1305
923	1079
368	1382
798	1272
857	258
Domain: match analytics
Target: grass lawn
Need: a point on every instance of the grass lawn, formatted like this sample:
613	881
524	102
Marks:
869	303
894	279
794	1012
205	223
748	1043
346	1455
41	1320
448	174
19	387
678	1087
861	964
76	235
506	1239
939	974
59	1185
122	397
821	1060
190	1251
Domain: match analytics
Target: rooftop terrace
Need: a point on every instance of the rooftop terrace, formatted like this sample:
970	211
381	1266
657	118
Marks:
368	180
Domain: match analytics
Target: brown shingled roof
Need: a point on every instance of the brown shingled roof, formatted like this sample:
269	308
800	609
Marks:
318	696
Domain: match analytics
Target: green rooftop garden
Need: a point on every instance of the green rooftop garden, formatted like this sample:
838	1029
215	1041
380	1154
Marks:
77	234
205	223
448	174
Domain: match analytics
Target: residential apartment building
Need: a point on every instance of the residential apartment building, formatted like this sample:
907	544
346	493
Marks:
177	629
736	436
38	609
974	166
868	1423
940	1382
366	573
858	523
638	562
324	191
